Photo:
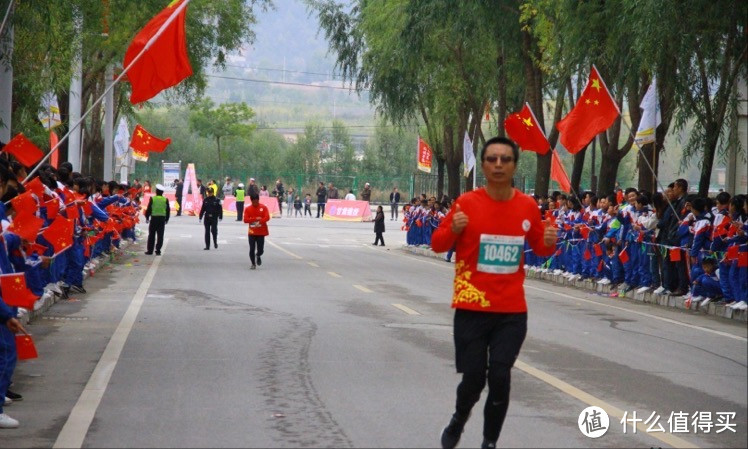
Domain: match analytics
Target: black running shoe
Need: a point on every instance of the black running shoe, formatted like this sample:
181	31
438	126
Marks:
77	289
259	260
488	444
14	396
452	433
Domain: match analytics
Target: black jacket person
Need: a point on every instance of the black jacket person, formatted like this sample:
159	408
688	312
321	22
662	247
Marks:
212	212
157	215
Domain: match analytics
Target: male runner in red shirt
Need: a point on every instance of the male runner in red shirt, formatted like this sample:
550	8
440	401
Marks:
489	227
257	216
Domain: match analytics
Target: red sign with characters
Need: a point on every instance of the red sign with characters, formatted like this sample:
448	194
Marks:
347	210
424	156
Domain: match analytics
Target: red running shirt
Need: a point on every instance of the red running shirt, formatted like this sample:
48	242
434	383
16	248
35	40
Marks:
260	215
490	250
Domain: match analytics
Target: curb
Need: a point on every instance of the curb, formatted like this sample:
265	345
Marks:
676	302
48	299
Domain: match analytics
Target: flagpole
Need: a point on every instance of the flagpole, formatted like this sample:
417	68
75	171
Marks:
608	91
147	46
7	14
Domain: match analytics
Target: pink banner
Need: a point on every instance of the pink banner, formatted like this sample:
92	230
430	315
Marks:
347	210
229	204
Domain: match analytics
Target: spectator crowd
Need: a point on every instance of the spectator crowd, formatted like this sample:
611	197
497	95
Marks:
53	224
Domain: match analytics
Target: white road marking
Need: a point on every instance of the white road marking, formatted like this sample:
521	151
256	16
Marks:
635	312
334	274
312	264
185	236
295	256
75	429
405	309
362	288
589	399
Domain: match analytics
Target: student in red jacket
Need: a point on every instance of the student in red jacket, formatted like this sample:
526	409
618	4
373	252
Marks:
489	227
257	216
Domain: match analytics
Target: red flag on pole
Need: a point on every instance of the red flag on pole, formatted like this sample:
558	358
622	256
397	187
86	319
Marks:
24	204
594	112
26	225
424	156
523	128
60	233
165	62
558	173
23	150
143	141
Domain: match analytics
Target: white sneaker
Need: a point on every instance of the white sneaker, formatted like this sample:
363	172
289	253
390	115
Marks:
604	281
6	422
704	302
643	289
734	304
557	271
7	401
659	290
526	267
742	306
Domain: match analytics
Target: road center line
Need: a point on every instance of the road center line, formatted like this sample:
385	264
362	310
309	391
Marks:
614	412
76	428
405	309
295	256
312	264
334	274
362	288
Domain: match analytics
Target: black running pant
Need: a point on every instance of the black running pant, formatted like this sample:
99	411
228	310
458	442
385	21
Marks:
256	246
156	233
211	227
379	238
486	346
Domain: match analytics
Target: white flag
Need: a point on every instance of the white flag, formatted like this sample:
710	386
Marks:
50	113
468	157
121	140
651	117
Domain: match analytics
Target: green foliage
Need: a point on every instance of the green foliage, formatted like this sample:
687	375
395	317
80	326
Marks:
226	120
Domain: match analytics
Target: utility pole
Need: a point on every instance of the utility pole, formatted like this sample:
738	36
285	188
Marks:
76	93
108	127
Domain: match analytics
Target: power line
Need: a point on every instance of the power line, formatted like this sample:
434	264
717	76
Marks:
267	69
284	83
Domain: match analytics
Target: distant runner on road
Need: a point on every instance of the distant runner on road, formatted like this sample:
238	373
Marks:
257	216
489	227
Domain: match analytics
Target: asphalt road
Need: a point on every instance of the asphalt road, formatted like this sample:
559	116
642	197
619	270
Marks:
335	343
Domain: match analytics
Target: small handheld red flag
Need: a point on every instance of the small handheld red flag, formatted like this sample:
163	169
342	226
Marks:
143	141
15	292
60	233
26	225
24	203
623	256
24	150
558	173
587	254
674	254
25	347
598	250
732	252
743	259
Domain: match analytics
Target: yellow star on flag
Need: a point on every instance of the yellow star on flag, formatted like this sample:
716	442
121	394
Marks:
527	121
597	102
140	133
587	101
596	84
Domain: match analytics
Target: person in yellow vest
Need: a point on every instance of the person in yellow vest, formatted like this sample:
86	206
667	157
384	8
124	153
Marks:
239	194
157	215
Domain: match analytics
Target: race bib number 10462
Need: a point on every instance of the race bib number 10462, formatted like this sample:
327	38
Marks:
500	254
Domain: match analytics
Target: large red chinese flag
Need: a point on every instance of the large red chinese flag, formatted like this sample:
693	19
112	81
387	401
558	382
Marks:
15	292
143	142
558	173
24	150
165	63
523	128
60	233
594	112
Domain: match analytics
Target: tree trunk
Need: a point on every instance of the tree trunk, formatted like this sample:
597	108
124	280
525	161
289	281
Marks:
608	172
712	136
534	96
453	163
576	170
646	177
501	113
440	176
220	161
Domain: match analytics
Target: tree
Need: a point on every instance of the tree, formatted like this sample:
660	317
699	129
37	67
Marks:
45	35
227	120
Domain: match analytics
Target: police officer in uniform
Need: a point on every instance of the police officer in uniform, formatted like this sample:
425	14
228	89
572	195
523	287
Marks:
239	194
157	214
212	211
